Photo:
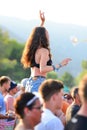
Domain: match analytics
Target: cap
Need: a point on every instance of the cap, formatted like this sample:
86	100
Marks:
12	85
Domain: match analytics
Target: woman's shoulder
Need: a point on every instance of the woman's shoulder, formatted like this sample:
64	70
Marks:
44	50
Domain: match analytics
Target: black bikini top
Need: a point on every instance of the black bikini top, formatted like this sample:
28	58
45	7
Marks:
34	64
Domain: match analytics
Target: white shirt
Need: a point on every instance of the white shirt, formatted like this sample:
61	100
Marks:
49	122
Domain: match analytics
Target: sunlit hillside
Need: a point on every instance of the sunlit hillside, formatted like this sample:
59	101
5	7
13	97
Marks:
65	40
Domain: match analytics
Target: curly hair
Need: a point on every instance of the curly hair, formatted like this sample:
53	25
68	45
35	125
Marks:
36	39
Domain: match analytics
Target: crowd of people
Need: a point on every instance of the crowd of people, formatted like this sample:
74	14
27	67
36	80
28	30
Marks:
47	109
37	103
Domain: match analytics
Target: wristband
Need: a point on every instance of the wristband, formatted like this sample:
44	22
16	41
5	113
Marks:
60	65
54	68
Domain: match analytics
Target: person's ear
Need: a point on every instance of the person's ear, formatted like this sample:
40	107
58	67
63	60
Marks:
54	97
26	110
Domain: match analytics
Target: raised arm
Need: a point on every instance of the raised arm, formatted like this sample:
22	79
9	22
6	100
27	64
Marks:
42	18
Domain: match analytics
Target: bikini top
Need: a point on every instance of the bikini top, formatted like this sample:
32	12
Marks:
34	64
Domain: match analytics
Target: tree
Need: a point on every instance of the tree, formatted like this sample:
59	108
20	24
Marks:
84	71
84	65
4	38
15	50
3	35
10	55
68	79
79	77
52	75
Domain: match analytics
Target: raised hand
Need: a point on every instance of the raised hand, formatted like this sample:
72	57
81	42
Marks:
65	61
42	17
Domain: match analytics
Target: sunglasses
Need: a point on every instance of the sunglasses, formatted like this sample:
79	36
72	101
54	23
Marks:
38	108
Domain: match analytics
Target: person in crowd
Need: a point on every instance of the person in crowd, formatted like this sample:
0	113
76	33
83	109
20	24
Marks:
4	86
75	106
22	87
9	98
68	98
79	121
65	105
28	108
24	84
37	56
51	92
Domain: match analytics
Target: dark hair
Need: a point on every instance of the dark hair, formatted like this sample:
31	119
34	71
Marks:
49	87
4	79
37	39
74	92
21	102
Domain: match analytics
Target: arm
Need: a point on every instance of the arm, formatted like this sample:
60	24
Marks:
42	18
63	63
44	68
3	116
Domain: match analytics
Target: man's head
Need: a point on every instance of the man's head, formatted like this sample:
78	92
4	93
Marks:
5	82
51	90
13	88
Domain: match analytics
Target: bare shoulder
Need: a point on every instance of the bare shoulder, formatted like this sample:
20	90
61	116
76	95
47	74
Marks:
44	50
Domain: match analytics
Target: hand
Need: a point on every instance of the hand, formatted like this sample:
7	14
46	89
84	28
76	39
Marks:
3	116
11	113
61	115
65	61
63	118
42	17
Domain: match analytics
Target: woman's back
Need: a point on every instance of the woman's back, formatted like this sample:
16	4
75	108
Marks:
41	61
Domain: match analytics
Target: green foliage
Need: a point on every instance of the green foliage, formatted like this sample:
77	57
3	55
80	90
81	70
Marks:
79	77
84	71
68	79
84	65
3	35
2	48
52	75
10	55
7	64
15	50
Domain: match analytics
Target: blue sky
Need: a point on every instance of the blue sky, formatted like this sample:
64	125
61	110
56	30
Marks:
60	11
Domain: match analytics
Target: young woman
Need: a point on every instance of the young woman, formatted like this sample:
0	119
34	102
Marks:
28	108
37	56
